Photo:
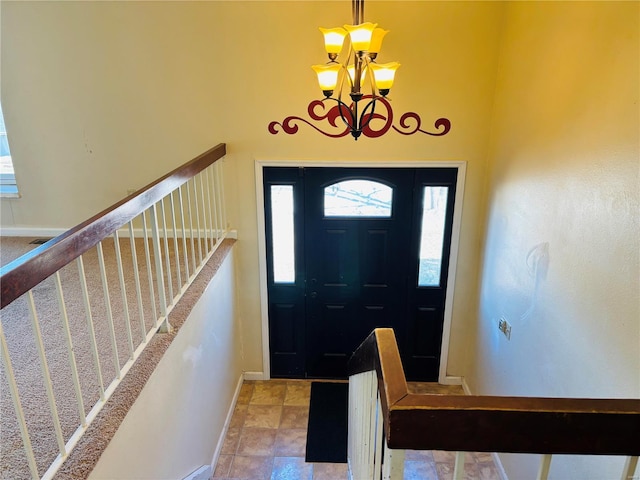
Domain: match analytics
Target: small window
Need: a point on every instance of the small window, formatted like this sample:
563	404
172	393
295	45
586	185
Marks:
282	234
8	185
358	198
434	209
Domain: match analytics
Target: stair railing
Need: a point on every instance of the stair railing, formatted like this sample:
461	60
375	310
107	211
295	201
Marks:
382	411
180	219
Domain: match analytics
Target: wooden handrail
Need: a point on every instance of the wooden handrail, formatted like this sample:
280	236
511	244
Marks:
489	423
24	273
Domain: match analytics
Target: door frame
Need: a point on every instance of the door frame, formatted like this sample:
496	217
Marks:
461	166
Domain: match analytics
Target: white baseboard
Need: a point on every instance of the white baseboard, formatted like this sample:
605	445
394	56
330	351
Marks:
255	376
223	434
203	473
450	380
465	387
31	232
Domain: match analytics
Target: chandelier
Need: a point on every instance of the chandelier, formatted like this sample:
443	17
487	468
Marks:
368	84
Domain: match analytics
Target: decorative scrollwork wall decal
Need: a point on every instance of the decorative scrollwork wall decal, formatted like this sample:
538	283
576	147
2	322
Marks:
409	124
441	122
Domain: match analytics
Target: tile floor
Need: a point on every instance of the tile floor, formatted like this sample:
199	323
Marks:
267	438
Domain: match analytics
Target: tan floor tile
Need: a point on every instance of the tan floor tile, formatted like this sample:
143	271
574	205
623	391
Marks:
251	468
245	393
291	468
294	417
231	439
472	471
419	455
223	466
263	416
239	414
267	438
298	393
268	394
330	471
480	457
291	442
419	470
257	441
488	471
445	471
441	456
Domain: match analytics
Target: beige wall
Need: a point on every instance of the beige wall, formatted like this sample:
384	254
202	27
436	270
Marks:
564	178
178	421
104	96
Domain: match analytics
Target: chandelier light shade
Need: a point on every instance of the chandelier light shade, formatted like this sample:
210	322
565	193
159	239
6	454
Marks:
368	84
360	35
327	77
351	70
384	76
376	42
333	40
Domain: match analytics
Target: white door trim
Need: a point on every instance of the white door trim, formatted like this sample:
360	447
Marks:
453	262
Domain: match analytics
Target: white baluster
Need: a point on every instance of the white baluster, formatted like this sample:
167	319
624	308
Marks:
393	465
458	468
167	260
204	214
195	202
70	352
92	333
123	292
107	302
379	432
193	247
630	466
214	206
136	276
155	238
147	255
353	432
223	206
45	375
175	241
17	406
545	465
184	235
218	192
213	236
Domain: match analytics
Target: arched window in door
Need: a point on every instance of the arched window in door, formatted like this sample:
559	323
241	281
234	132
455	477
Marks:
358	198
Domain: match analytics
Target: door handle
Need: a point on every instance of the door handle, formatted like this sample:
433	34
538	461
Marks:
313	294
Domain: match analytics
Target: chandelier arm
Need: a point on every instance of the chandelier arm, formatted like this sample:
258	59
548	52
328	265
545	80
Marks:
341	104
374	90
345	73
372	104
